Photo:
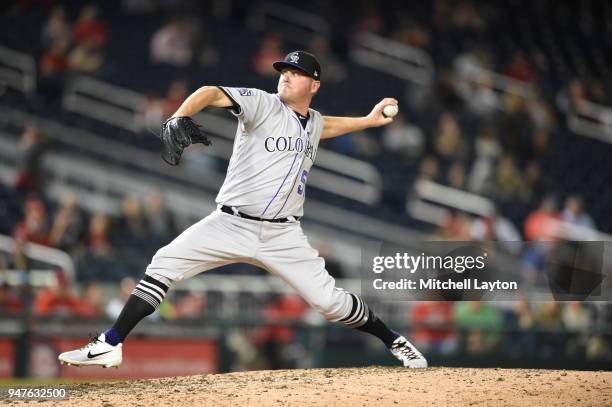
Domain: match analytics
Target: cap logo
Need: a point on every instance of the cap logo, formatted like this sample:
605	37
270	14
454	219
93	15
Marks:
295	57
316	74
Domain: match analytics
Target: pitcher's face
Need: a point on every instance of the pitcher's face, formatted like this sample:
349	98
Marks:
294	85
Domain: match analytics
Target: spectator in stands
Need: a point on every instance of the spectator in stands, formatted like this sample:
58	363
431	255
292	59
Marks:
578	98
484	102
539	223
445	94
534	264
516	129
115	305
160	223
365	146
10	301
456	176
10	298
536	184
177	93
573	213
335	71
467	17
31	150
370	21
59	300
172	44
204	51
152	114
549	321
67	232
132	227
597	92
487	150
520	68
467	68
34	226
498	228
442	13
510	184
89	29
412	34
598	347
99	240
190	305
54	61
57	28
19	260
276	339
86	57
448	143
91	301
525	318
524	341
90	36
270	50
406	139
429	169
578	321
457	226
156	109
543	119
481	324
434	327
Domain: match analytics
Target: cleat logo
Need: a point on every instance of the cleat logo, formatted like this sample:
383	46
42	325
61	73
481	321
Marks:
91	355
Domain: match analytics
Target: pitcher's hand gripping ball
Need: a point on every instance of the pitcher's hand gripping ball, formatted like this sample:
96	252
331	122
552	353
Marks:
390	111
178	133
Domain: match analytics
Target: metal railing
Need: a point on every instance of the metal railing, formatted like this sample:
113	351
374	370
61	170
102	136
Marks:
37	278
430	203
295	24
496	81
104	102
394	58
590	119
17	70
41	253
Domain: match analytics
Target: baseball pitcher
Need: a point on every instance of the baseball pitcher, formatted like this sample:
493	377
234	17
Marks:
260	204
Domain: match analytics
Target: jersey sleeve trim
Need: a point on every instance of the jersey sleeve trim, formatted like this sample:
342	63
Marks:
235	108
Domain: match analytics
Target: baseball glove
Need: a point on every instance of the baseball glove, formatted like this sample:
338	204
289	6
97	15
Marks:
178	133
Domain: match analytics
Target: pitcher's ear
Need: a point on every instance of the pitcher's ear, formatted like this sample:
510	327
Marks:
314	86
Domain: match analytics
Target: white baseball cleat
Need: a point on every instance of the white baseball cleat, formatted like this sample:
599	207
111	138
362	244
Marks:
96	352
407	353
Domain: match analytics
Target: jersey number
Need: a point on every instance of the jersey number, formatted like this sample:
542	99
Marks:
302	185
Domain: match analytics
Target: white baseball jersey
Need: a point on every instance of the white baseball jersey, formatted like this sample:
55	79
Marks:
272	155
266	178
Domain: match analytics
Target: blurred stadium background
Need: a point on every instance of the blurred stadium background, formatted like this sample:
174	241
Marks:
505	133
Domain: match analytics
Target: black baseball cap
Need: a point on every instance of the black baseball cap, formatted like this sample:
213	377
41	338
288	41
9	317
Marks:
303	61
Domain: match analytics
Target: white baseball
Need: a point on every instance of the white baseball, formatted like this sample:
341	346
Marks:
390	110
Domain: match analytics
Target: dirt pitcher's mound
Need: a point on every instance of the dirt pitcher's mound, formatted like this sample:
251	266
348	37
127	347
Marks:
372	386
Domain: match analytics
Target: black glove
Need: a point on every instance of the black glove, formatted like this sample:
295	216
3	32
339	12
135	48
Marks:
178	133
